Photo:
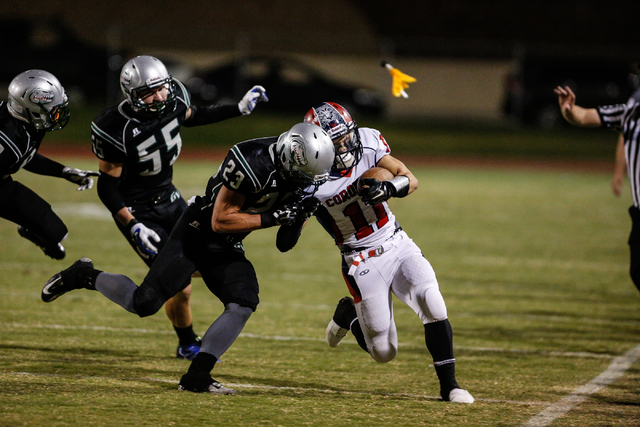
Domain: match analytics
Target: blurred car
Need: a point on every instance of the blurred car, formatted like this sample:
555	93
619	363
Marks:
529	97
292	86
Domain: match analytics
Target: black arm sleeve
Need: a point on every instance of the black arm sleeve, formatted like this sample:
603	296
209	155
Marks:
288	236
204	115
109	193
44	166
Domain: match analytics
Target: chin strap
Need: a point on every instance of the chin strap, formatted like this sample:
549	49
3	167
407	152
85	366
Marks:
400	185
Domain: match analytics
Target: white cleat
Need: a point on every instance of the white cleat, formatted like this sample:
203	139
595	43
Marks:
458	395
335	334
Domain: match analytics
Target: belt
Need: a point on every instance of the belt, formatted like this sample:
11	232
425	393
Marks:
346	249
153	200
359	256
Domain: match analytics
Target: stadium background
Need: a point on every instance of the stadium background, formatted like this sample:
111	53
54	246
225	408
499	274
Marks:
461	51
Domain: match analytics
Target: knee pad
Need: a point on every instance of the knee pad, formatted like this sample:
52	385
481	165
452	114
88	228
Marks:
146	301
383	351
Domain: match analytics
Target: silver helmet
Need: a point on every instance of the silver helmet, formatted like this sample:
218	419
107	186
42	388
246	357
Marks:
142	74
305	154
38	98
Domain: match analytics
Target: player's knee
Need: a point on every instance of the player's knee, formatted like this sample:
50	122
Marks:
241	312
383	353
146	301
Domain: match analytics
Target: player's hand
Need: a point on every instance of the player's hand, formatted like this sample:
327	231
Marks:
288	214
373	191
566	99
251	98
80	177
308	207
142	236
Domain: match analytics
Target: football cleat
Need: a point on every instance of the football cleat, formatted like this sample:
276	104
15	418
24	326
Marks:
53	250
78	276
340	324
189	351
203	383
458	395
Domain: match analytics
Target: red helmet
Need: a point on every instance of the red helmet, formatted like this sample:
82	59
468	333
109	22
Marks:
337	122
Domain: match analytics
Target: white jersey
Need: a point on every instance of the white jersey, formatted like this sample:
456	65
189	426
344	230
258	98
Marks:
343	213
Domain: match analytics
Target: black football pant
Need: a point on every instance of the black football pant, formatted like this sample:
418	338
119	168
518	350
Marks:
634	245
23	206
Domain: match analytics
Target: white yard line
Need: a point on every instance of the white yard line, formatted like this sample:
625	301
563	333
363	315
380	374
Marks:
618	367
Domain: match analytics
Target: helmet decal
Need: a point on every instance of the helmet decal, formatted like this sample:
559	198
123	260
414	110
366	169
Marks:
39	96
298	155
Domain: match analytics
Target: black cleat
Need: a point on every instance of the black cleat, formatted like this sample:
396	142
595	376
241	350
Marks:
202	383
340	324
53	250
81	275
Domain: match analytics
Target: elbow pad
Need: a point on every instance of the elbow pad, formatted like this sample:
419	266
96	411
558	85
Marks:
109	193
400	185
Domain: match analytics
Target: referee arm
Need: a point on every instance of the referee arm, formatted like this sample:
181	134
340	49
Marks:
573	113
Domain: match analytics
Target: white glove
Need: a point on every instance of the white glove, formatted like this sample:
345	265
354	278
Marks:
80	177
142	236
251	98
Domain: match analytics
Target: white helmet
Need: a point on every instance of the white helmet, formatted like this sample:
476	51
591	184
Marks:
38	98
305	154
141	74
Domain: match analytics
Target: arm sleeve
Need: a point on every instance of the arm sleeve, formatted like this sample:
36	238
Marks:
204	115
109	193
288	236
44	166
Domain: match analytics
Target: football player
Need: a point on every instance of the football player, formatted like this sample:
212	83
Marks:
37	104
137	142
258	185
378	258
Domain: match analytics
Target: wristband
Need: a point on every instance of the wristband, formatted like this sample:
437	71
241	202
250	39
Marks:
267	220
130	224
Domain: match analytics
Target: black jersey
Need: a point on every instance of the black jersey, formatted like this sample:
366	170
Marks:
248	169
19	142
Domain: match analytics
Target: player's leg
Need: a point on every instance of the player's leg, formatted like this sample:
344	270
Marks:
161	218
36	220
231	277
634	246
375	328
415	284
167	277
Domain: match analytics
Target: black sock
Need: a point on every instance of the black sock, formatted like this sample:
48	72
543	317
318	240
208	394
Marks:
356	330
202	363
186	335
439	340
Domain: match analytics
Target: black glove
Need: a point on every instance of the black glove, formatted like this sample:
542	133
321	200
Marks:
373	191
80	177
309	206
287	214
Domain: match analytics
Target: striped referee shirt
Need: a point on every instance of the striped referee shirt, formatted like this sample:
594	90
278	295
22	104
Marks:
625	118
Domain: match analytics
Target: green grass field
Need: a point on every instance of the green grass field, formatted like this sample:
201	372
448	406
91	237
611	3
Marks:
532	264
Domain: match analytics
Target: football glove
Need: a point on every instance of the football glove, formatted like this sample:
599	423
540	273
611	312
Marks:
142	236
251	98
80	177
287	214
373	191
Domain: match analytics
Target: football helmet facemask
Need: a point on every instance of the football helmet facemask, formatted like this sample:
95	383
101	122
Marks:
343	130
37	97
305	154
140	76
